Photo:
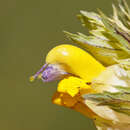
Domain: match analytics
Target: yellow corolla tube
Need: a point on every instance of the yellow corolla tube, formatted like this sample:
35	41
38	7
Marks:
75	61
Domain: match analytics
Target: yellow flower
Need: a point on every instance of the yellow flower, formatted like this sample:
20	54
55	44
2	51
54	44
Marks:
73	66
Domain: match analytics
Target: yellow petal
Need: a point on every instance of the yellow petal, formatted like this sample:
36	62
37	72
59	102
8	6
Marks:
72	86
57	98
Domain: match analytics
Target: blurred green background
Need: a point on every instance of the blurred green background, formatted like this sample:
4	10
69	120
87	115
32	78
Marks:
29	29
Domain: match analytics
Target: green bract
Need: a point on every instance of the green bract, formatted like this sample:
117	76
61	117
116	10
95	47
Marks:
109	38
